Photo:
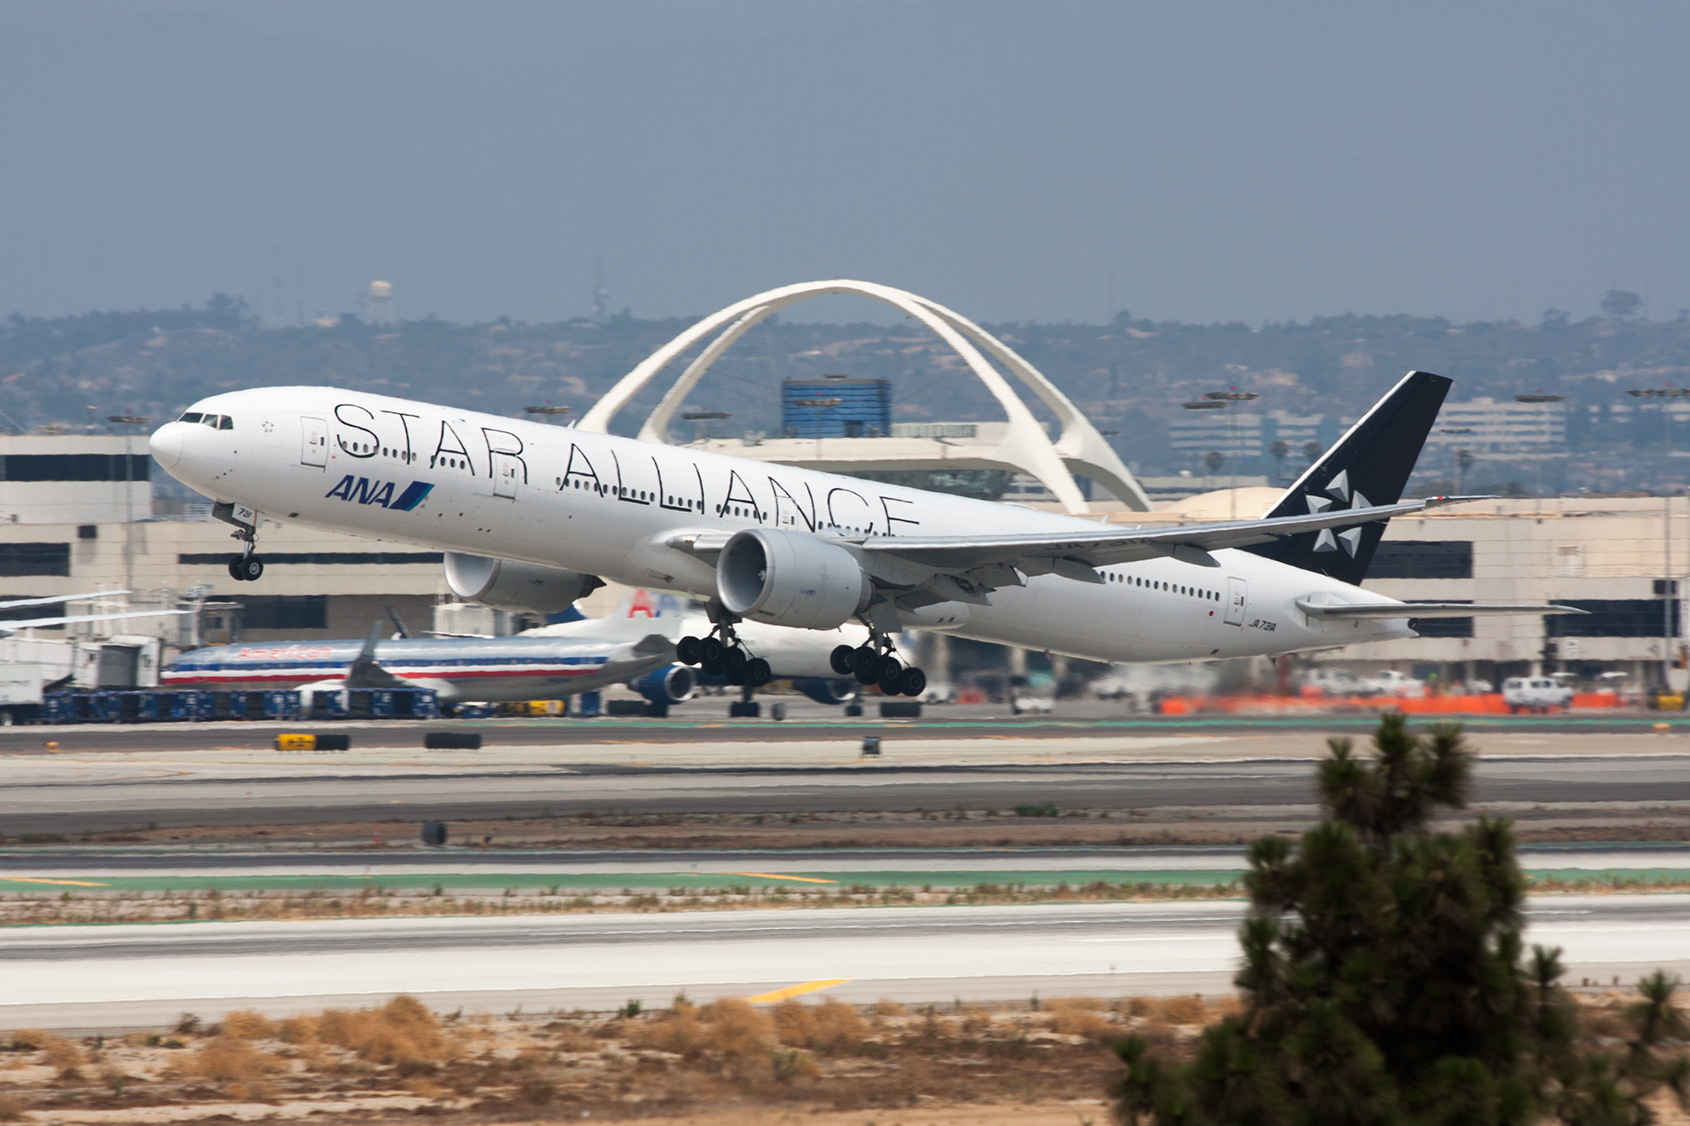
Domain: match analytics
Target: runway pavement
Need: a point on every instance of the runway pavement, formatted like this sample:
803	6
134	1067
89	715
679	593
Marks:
116	976
1084	767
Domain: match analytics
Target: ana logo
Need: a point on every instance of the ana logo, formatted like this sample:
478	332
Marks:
361	490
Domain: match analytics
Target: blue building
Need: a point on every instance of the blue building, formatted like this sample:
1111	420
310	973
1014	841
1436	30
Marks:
836	406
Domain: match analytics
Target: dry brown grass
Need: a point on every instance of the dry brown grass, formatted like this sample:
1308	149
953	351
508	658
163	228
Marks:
229	1059
27	1040
64	1056
1184	1010
828	1027
12	1108
244	1024
403	1031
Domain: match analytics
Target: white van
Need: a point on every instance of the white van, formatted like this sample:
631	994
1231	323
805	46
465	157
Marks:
1535	694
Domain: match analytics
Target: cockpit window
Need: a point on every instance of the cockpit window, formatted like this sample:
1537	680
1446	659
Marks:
224	422
190	416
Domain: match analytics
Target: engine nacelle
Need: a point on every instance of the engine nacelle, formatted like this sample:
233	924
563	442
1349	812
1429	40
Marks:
787	579
672	685
505	585
827	690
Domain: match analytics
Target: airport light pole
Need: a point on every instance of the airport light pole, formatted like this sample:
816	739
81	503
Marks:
702	433
1463	458
129	422
1544	400
547	410
1231	397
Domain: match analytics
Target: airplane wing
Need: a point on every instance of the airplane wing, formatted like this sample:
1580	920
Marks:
16	602
1427	609
7	628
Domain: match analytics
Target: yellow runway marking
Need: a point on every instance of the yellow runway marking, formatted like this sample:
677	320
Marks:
774	876
795	991
44	880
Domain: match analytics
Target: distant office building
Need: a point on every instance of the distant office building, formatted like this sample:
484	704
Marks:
1488	426
74	479
836	406
1247	440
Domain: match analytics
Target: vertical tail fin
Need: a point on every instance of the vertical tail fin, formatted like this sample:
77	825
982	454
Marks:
1368	466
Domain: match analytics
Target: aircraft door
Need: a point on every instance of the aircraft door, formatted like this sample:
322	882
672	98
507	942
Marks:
314	442
505	462
506	473
1237	594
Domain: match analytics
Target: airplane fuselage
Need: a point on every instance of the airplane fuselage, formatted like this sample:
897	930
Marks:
394	469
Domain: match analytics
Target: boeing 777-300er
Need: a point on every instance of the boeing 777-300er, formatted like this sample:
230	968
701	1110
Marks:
552	508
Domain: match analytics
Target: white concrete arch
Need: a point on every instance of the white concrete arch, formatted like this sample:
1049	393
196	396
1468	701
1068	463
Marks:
1025	447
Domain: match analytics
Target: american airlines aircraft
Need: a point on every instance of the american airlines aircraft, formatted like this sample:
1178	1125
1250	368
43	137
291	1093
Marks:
548	510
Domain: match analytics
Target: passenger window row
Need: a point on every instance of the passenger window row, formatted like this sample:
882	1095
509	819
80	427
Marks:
1172	588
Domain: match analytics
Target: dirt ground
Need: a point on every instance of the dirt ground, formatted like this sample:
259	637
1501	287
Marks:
730	1062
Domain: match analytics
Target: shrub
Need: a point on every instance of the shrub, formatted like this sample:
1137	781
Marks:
401	1031
229	1059
28	1040
64	1056
828	1027
244	1024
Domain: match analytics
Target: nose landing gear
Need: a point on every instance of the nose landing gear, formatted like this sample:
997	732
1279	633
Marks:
246	567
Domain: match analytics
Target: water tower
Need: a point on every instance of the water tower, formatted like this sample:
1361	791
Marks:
378	303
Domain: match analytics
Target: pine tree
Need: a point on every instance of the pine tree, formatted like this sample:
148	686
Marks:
1385	980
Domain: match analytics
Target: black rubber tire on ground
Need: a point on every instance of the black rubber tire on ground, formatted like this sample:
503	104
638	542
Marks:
734	660
912	682
888	670
252	568
710	651
686	650
888	687
758	672
840	659
864	663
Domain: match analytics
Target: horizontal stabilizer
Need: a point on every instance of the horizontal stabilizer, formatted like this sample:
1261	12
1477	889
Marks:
1427	609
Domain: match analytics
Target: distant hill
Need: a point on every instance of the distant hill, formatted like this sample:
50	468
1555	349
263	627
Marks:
1129	375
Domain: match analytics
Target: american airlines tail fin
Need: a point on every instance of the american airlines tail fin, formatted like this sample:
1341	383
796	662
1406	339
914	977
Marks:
1368	466
639	614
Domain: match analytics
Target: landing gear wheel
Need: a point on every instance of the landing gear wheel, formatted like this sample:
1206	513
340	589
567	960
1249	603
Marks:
733	677
840	659
235	570
710	651
865	664
711	668
734	660
889	668
246	568
758	672
686	651
912	682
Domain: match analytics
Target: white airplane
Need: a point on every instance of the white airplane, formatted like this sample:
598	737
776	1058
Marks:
550	509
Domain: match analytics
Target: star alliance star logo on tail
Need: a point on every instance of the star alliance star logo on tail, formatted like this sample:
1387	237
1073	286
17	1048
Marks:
361	490
1339	489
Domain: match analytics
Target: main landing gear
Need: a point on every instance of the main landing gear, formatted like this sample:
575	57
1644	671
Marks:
722	654
246	567
874	663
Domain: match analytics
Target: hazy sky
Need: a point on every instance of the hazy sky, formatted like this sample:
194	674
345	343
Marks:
1220	161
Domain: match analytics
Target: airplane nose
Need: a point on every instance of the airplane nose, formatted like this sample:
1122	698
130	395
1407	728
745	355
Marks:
166	443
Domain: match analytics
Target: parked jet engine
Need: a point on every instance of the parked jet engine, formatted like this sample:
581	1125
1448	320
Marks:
672	685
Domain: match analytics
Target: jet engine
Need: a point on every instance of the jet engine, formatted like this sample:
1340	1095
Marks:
505	585
787	579
671	685
827	691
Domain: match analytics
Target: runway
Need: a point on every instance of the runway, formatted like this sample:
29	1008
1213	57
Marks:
1080	768
117	976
